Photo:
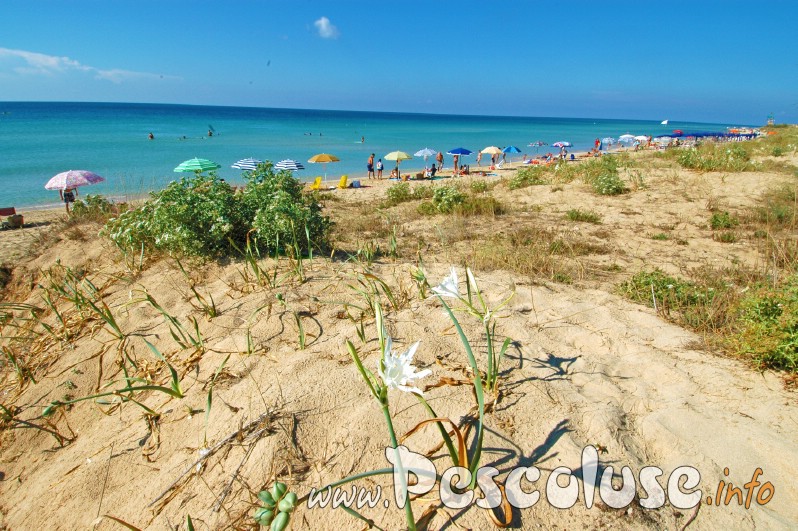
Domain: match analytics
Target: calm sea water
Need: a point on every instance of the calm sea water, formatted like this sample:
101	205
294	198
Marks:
39	140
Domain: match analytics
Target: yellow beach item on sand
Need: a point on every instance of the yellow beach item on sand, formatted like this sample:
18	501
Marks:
343	182
316	184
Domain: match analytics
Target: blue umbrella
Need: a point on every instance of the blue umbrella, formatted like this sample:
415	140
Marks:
290	165
459	151
511	149
247	164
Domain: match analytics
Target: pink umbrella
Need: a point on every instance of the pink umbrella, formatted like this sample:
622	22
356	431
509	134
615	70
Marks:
72	179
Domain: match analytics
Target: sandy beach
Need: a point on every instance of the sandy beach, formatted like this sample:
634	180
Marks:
586	366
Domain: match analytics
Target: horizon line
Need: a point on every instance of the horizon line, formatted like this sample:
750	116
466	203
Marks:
371	111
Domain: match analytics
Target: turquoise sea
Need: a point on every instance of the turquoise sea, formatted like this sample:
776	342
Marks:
39	140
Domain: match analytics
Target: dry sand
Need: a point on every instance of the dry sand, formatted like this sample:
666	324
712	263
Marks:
587	368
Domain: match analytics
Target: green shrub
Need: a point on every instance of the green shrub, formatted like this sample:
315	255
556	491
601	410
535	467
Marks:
779	206
702	306
715	157
398	193
426	208
661	236
528	176
587	216
201	215
777	151
95	207
722	220
402	193
768	326
423	192
608	184
446	198
725	237
479	186
483	205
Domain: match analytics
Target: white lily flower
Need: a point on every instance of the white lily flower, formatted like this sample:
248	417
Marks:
398	372
448	288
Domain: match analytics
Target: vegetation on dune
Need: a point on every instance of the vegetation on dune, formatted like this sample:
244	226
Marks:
758	322
203	215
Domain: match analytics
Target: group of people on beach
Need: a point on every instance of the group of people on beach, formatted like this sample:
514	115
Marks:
370	166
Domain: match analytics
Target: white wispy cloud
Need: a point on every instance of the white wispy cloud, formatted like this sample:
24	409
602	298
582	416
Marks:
326	28
35	63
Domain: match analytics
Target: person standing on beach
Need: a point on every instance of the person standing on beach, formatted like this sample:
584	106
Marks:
439	160
455	160
68	196
479	158
370	167
379	169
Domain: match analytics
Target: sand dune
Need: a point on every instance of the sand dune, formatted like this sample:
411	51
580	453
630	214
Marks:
587	367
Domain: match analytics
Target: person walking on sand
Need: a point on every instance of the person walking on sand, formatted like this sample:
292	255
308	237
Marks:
479	158
68	196
370	167
439	160
379	169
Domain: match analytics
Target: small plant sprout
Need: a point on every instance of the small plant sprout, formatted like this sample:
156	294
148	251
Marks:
126	393
277	504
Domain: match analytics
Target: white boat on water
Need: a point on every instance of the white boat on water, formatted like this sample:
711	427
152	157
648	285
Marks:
664	122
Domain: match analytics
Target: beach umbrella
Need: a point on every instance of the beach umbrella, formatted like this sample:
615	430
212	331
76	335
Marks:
73	179
608	140
626	138
197	165
491	150
561	144
641	138
323	158
247	164
398	156
459	151
289	164
426	153
511	149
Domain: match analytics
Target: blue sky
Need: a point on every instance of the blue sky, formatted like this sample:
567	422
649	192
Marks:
724	61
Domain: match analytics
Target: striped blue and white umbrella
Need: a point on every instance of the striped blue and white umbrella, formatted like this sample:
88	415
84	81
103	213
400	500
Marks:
247	164
289	164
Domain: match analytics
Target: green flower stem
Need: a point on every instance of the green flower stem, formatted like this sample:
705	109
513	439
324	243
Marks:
367	375
474	461
411	521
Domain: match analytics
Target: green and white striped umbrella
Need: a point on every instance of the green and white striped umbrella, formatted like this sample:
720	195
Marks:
196	164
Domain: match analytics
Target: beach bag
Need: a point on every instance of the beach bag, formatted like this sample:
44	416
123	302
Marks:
356	184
